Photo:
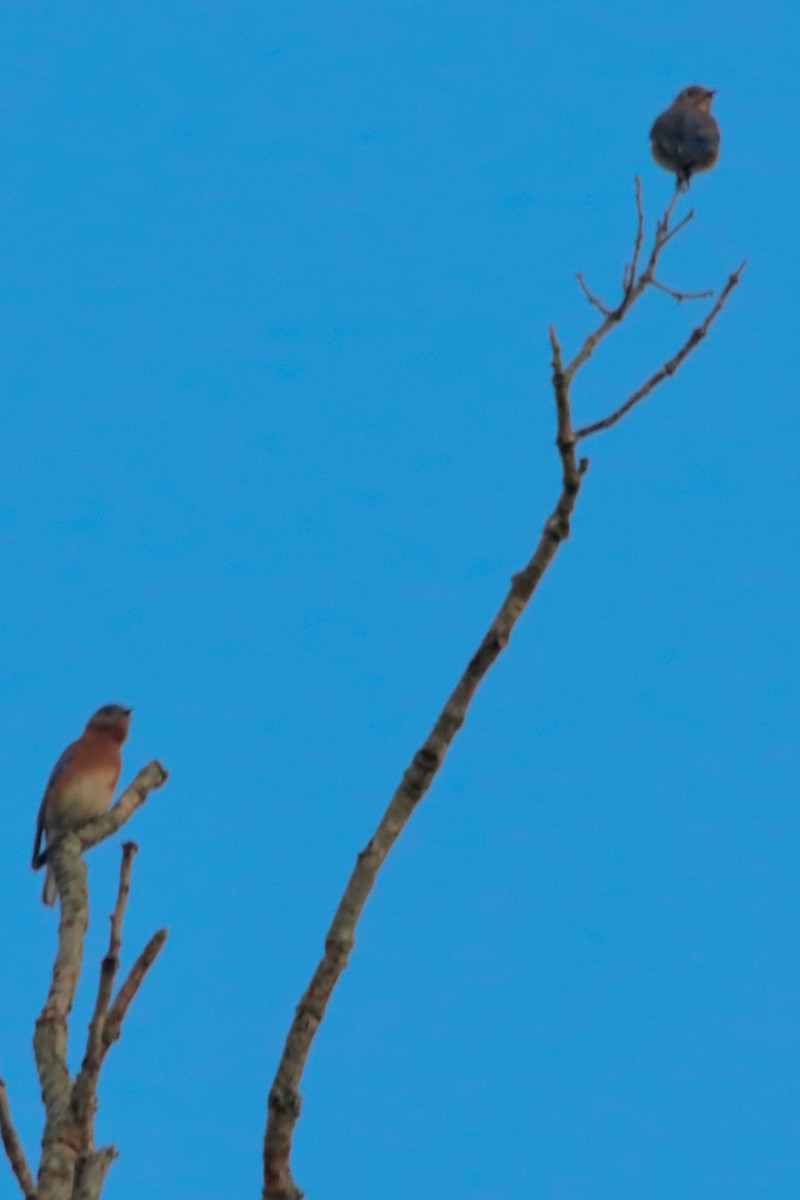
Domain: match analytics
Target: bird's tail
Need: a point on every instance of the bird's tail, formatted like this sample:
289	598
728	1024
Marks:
49	891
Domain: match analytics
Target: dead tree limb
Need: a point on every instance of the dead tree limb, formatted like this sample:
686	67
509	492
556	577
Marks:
284	1097
71	1167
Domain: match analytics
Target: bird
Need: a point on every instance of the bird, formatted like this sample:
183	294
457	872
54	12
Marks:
685	137
81	784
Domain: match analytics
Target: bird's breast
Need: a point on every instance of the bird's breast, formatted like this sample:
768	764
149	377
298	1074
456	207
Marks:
80	799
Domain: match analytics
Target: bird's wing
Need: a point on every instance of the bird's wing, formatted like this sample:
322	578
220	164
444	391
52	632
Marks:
58	769
669	128
707	130
38	858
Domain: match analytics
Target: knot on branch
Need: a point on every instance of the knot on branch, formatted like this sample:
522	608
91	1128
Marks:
312	1006
367	852
49	1016
557	527
284	1100
338	946
572	482
494	641
427	760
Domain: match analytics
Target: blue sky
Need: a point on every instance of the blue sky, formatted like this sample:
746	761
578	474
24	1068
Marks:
276	429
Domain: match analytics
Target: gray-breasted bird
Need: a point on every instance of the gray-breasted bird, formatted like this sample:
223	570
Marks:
685	138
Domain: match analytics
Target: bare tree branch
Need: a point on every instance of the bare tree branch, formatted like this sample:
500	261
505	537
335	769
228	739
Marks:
60	1137
116	1014
13	1147
84	1093
153	776
284	1097
633	286
92	1164
70	1166
669	367
681	296
629	274
590	296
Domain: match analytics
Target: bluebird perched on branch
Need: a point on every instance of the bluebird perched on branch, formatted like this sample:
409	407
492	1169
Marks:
81	784
685	138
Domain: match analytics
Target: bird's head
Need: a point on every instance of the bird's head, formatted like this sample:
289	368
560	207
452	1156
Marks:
697	97
111	719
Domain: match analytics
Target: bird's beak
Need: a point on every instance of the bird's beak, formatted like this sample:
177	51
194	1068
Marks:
128	712
711	92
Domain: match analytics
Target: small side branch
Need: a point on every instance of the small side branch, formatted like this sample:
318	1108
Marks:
84	1095
681	296
631	268
590	296
125	995
151	777
104	1027
13	1147
669	367
634	282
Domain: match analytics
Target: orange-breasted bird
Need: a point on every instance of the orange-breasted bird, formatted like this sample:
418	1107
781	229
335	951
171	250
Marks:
81	784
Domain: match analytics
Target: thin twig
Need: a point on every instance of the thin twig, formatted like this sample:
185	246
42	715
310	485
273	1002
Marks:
590	296
681	296
117	1011
629	274
632	286
84	1092
668	234
663	225
13	1147
669	367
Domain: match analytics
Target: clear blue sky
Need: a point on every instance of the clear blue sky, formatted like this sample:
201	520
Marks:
276	430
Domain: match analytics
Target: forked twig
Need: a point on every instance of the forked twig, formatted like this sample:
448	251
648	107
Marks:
590	296
84	1095
131	985
634	283
669	367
